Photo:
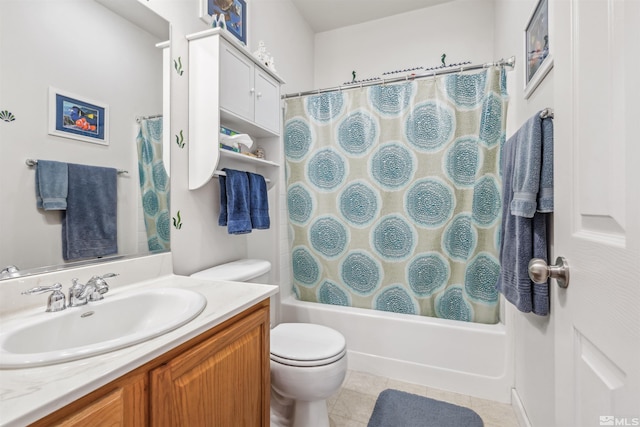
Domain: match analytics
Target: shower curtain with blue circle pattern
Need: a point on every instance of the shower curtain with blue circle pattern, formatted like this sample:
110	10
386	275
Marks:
394	195
154	184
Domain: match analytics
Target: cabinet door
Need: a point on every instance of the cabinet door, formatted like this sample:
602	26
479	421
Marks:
267	111
236	82
124	404
222	382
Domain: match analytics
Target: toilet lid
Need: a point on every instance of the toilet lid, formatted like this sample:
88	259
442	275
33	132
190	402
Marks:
306	344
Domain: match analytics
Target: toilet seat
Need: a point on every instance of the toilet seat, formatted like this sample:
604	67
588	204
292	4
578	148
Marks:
306	344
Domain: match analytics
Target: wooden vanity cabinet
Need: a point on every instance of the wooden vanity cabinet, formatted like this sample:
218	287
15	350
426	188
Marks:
222	382
220	378
123	402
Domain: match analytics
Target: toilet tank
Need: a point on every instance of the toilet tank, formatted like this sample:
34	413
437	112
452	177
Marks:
242	270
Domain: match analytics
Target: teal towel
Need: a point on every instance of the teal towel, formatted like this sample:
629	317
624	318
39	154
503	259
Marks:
89	226
259	202
238	202
51	185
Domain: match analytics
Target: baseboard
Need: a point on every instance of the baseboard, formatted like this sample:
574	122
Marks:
518	408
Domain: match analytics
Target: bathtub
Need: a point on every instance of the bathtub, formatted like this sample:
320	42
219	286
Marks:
468	358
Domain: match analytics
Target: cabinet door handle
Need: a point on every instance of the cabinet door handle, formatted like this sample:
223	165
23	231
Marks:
252	91
259	94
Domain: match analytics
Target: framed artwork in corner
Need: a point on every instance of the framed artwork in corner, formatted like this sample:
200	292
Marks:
230	14
76	117
537	48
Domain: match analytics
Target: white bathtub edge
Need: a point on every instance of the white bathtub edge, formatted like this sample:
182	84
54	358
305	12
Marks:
471	359
482	387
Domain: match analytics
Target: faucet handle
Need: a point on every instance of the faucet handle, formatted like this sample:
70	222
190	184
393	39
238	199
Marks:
56	301
96	287
42	289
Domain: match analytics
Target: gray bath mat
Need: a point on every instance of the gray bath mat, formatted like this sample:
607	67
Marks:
396	408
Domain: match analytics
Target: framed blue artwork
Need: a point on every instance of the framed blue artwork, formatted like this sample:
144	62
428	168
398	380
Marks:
537	46
76	117
232	12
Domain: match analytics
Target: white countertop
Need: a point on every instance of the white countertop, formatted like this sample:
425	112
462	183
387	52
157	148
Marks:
26	395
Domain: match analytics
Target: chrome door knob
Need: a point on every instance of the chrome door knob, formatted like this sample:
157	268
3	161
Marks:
539	271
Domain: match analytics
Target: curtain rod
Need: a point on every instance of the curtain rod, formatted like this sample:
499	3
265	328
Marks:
511	62
32	162
140	118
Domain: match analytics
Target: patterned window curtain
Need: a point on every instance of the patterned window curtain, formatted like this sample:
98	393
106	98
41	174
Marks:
154	184
394	195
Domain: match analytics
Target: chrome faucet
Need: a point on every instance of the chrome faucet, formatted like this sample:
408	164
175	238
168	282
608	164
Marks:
75	294
93	290
56	301
79	294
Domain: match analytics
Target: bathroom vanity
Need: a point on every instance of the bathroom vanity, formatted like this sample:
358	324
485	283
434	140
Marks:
213	370
218	378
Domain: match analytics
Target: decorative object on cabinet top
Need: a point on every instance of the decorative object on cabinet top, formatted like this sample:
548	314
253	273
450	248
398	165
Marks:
229	38
264	56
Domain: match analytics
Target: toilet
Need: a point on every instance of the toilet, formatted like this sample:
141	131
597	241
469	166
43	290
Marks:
308	365
308	361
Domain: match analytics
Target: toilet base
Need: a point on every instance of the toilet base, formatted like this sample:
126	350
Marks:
310	414
287	412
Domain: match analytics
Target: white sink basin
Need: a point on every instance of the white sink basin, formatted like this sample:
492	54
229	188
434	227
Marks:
99	327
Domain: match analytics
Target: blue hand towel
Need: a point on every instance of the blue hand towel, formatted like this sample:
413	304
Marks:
523	237
51	185
222	218
533	173
238	202
89	226
545	194
259	207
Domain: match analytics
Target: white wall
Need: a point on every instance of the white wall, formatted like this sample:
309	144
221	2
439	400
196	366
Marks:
80	47
533	335
462	29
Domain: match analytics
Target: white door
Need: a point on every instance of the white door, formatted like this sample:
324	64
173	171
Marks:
597	211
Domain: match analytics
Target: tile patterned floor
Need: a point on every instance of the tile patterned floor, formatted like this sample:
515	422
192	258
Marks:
353	404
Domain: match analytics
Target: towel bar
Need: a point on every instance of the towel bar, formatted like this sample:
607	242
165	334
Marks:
223	173
31	162
547	112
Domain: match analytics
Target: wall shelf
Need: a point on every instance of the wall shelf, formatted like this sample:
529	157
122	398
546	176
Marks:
246	159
